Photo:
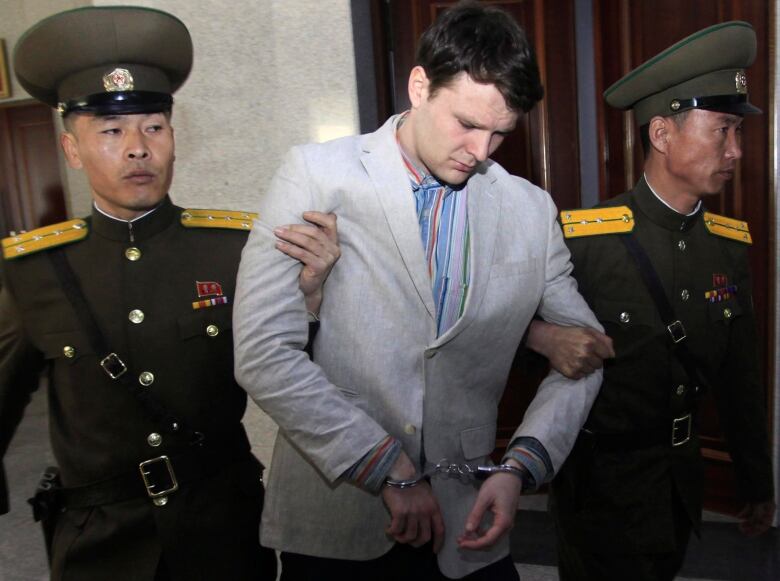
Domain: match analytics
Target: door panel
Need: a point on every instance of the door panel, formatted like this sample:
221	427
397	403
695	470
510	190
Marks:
31	193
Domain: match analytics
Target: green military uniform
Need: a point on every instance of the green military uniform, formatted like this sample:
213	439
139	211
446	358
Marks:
141	282
160	289
633	483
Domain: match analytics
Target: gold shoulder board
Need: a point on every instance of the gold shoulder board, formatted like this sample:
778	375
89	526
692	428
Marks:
44	238
727	228
193	218
607	220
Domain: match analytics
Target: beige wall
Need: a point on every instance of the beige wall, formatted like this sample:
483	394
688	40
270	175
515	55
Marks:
268	74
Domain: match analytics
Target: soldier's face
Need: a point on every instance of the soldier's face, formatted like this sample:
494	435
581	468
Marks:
704	149
454	130
128	159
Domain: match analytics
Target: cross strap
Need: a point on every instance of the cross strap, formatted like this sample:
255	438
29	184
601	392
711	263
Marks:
673	325
110	362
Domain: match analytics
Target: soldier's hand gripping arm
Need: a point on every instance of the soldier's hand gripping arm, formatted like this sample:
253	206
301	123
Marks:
573	351
316	246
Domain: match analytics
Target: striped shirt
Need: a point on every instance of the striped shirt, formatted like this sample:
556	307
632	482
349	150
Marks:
444	228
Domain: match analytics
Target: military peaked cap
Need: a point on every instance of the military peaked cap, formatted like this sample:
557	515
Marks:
106	60
703	71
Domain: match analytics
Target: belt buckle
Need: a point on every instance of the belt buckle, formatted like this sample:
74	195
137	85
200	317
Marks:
113	365
151	470
676	426
677	331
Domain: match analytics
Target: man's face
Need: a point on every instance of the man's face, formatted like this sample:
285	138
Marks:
128	159
456	128
703	151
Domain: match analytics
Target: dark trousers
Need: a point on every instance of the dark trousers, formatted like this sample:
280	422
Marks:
401	563
576	563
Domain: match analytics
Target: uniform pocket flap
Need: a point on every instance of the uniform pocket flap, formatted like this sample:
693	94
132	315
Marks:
626	314
210	322
70	345
478	442
724	311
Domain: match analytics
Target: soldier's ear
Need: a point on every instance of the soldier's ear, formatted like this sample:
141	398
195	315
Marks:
70	148
658	132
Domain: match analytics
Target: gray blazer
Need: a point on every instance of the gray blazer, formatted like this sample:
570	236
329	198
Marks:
379	368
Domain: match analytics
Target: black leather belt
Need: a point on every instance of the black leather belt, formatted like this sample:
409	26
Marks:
159	476
677	434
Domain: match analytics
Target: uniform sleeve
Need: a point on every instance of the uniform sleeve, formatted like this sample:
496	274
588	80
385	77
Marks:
20	365
741	399
270	332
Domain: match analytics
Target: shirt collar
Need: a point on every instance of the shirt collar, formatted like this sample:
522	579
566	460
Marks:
418	176
665	203
141	228
659	212
107	215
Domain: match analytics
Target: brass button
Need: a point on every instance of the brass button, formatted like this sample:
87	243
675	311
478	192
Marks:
69	352
146	378
685	295
681	245
212	330
132	254
154	439
625	317
410	429
727	313
680	389
136	316
160	501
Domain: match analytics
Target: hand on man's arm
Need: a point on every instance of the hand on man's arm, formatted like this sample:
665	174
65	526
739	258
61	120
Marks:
573	351
416	517
316	245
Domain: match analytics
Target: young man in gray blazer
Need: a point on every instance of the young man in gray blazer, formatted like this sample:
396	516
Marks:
416	340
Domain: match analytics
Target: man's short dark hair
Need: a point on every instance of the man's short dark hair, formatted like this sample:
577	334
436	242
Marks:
488	45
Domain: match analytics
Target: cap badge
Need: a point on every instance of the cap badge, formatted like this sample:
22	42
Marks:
118	80
674	105
741	81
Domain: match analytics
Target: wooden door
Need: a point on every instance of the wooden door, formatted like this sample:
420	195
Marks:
31	193
628	32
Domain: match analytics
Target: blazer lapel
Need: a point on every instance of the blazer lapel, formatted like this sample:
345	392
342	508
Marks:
384	166
484	206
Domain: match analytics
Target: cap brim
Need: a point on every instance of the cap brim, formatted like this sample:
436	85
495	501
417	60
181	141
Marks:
736	108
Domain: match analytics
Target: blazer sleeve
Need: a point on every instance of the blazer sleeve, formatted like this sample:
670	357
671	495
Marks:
270	333
20	366
561	405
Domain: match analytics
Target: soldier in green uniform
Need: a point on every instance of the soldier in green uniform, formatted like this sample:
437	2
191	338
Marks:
129	314
670	283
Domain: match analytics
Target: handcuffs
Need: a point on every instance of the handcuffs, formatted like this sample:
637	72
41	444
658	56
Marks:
464	472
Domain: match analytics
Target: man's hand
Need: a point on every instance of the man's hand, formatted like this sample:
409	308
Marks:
500	494
573	351
756	518
316	245
416	517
